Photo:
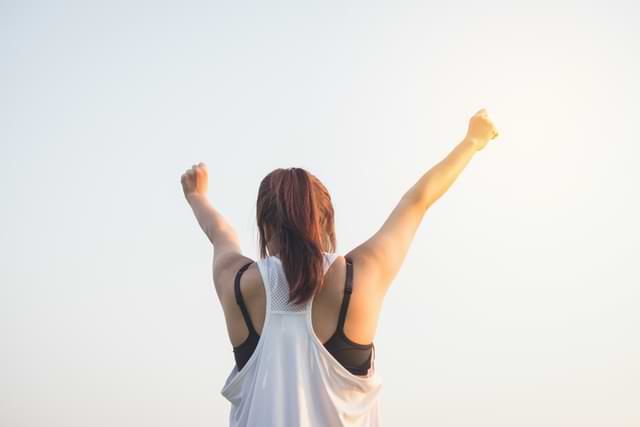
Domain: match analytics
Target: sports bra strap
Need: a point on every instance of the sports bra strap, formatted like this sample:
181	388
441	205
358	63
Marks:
240	300
347	294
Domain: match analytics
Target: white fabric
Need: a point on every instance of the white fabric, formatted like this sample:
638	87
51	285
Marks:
291	379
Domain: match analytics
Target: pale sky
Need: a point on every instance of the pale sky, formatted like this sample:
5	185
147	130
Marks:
518	303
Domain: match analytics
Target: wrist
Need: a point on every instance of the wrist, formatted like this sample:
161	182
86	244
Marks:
472	142
196	197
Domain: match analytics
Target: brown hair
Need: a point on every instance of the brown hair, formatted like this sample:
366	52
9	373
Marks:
294	209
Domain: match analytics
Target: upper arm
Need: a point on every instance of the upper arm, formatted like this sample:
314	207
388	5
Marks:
382	255
227	260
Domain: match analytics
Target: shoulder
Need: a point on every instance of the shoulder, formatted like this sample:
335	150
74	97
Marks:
337	276
224	273
366	271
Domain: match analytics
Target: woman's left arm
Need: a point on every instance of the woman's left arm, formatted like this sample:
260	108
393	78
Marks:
219	232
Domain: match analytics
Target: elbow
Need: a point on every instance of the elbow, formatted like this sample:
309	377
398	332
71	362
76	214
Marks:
422	199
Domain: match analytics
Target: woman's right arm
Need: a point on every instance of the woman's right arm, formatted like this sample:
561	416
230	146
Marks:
439	178
380	257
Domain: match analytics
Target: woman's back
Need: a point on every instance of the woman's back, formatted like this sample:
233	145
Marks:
362	314
291	378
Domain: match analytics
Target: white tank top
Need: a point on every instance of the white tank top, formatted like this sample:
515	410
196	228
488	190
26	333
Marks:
291	379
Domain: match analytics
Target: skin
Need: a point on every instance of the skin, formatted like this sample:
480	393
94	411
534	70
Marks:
376	261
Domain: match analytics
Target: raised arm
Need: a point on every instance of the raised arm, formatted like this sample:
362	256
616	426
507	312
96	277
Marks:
380	257
218	230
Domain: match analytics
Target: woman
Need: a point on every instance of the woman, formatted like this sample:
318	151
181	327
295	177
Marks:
302	319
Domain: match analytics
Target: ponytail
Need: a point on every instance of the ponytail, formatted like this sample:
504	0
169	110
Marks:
298	210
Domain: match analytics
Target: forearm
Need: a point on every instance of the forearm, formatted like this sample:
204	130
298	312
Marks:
435	182
211	220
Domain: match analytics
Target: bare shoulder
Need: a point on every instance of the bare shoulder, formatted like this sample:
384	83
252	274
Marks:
225	271
366	298
366	271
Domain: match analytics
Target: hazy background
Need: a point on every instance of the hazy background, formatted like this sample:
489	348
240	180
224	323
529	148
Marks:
518	303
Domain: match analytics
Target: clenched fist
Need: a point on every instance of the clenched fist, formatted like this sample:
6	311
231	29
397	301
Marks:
481	129
195	181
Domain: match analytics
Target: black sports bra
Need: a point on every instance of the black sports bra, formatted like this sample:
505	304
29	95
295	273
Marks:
355	357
